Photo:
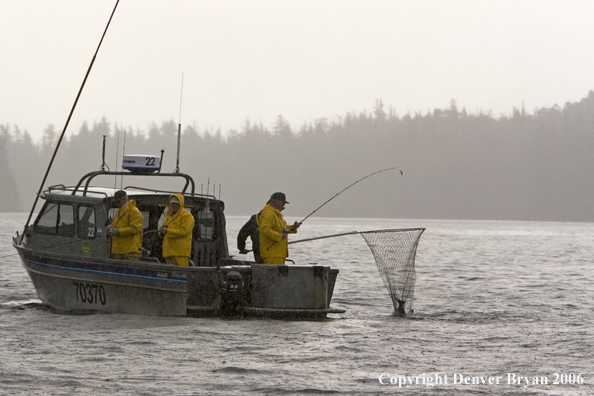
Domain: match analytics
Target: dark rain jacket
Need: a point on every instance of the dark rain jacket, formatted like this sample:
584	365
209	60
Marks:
250	229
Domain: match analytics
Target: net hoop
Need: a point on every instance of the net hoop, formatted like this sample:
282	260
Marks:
394	251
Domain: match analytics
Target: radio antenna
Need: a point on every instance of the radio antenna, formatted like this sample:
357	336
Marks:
115	177
179	124
123	155
104	165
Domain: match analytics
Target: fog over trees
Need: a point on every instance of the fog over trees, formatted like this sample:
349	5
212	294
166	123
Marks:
456	164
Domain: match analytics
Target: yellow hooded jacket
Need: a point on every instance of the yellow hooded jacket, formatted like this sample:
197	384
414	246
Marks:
271	224
178	238
130	222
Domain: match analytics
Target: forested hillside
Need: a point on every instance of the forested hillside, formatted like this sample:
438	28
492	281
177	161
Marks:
535	165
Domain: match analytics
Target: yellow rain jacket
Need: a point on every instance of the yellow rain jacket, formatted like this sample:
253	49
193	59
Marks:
271	225
130	222
178	238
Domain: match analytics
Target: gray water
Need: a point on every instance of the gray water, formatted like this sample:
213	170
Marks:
493	299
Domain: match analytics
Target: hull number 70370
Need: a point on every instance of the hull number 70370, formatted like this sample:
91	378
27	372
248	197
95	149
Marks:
90	293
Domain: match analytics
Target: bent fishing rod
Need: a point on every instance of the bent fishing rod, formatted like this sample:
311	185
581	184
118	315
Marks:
336	195
346	188
66	125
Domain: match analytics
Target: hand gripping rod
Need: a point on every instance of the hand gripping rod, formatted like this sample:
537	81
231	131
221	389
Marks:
337	194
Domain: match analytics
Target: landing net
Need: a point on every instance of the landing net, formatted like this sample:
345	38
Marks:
394	252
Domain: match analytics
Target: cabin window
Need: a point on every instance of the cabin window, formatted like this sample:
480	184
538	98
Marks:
206	221
162	217
146	215
86	225
56	219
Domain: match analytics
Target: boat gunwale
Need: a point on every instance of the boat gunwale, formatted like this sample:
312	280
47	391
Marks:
126	263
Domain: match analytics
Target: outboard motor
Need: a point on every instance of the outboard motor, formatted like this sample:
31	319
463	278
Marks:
233	282
233	292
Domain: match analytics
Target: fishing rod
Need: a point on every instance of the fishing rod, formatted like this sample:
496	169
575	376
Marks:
336	195
66	125
346	188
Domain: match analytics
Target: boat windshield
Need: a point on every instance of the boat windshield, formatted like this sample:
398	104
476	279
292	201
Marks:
56	219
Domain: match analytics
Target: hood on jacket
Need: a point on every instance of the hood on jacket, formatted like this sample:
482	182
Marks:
180	198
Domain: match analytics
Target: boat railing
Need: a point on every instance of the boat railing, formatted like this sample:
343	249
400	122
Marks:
91	175
57	187
61	187
209	196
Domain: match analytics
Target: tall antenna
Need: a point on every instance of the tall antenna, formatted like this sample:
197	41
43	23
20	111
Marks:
123	155
179	124
115	177
104	165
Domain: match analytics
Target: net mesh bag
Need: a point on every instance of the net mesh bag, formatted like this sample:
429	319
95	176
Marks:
394	252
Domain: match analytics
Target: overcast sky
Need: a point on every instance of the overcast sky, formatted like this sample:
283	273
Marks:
303	59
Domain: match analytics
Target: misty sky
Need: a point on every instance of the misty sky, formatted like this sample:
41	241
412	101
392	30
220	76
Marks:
303	59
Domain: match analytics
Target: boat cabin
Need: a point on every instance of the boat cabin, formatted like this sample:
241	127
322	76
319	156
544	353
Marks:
73	220
67	254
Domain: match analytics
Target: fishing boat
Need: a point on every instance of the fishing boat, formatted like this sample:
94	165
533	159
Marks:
67	254
66	251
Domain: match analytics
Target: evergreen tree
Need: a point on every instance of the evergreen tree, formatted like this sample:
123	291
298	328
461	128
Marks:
456	164
9	194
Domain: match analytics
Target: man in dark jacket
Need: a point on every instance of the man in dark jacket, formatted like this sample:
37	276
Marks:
250	229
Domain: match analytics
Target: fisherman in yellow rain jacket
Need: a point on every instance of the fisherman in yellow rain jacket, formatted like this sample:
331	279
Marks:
273	231
176	232
126	228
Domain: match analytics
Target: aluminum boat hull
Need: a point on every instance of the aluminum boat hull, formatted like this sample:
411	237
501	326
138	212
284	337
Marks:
73	284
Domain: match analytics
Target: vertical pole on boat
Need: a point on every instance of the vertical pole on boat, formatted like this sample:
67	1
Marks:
123	155
161	161
179	124
115	177
66	125
103	154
